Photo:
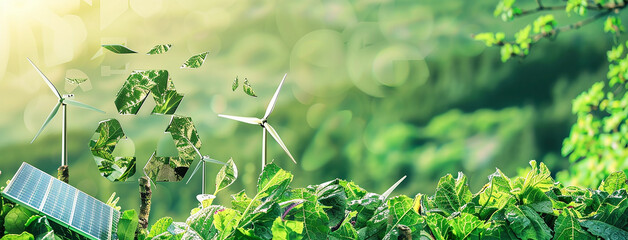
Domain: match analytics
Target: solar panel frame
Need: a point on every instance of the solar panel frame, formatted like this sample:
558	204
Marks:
25	176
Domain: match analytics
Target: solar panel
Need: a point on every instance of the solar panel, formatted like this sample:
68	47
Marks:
63	203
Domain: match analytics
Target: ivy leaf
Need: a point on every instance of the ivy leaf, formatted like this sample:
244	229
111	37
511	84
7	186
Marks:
117	48
195	61
615	181
235	84
159	49
247	88
567	227
226	176
287	229
604	230
127	225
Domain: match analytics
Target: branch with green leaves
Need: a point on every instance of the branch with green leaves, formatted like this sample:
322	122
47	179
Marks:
545	26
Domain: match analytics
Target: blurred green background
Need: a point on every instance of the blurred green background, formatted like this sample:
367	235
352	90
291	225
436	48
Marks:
376	89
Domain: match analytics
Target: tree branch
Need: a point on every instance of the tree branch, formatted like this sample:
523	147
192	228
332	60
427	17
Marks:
576	25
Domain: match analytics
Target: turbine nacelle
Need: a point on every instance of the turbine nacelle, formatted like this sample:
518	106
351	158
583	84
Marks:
63	100
263	122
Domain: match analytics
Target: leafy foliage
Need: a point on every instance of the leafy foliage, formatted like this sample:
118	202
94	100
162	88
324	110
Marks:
159	49
172	169
598	143
111	167
195	61
532	206
117	48
137	87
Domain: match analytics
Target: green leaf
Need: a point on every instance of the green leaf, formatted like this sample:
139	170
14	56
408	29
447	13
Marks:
441	230
127	225
21	236
117	48
402	213
240	202
235	84
567	227
202	222
159	49
604	230
167	103
287	229
332	195
452	194
247	88
615	181
113	168
498	231
226	176
544	24
526	223
346	231
315	221
464	225
76	81
195	61
226	221
40	228
272	181
537	200
352	190
159	227
365	208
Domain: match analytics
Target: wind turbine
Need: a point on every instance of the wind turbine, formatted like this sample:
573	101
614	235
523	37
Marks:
64	100
263	122
202	162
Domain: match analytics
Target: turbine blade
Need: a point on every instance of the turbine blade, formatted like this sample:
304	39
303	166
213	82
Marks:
271	104
198	165
50	116
52	87
207	159
82	105
273	133
249	120
392	188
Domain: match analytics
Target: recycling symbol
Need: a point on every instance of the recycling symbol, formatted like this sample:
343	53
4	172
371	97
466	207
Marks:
129	100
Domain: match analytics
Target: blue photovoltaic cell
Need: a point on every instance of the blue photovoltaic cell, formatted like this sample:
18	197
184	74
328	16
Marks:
30	187
63	203
59	201
86	208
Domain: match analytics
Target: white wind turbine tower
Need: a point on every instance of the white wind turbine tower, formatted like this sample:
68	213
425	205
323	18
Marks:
265	126
64	100
202	162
